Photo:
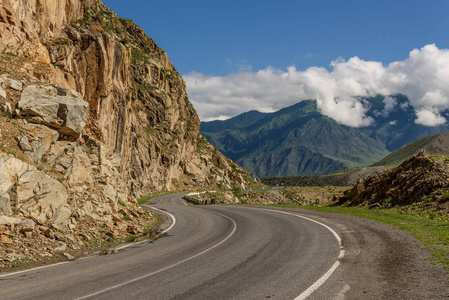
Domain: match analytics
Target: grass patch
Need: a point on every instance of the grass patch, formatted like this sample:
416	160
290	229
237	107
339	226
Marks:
150	227
431	231
121	202
130	239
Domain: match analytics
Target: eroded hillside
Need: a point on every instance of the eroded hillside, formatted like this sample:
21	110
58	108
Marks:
421	181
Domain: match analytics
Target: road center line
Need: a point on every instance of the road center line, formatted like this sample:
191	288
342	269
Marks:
169	267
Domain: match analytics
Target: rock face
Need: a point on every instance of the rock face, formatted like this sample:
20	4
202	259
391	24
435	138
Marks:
94	116
56	107
422	179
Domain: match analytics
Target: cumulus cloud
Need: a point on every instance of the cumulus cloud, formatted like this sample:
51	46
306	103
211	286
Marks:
422	77
427	117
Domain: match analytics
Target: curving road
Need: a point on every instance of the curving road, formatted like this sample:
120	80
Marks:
213	252
236	252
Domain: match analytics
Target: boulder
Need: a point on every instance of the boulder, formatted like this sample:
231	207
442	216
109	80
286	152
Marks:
55	107
14	84
62	214
24	144
30	224
34	193
42	137
38	194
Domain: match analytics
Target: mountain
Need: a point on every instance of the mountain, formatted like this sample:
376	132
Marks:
299	140
437	144
93	116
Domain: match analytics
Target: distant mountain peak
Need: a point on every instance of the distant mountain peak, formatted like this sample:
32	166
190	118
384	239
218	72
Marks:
300	140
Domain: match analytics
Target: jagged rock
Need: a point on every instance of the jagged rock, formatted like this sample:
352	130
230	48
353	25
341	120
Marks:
28	224
35	193
62	214
55	107
24	144
55	151
49	233
37	141
13	84
2	95
65	161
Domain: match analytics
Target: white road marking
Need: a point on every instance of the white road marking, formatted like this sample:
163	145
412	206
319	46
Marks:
83	258
163	211
26	271
326	276
166	230
184	202
166	268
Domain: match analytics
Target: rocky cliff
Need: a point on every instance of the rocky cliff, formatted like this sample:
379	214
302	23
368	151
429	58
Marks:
94	116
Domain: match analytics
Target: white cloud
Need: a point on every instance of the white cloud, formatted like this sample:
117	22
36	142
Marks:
427	117
422	77
390	105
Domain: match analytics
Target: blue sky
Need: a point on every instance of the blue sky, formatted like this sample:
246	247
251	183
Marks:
220	37
265	55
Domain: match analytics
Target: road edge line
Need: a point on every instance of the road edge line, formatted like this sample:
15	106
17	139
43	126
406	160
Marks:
165	231
90	256
326	275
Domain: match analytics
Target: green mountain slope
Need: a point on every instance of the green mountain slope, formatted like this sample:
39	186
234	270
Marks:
299	140
434	144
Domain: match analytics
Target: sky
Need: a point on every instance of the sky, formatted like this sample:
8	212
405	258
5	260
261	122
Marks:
236	56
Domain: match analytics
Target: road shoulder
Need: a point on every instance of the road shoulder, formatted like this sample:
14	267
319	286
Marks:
380	262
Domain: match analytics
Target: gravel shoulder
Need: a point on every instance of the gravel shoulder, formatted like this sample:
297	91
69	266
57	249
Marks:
380	262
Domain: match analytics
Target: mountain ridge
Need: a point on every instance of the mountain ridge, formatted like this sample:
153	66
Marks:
299	140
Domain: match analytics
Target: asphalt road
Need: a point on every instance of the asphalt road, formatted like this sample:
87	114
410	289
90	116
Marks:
213	252
236	252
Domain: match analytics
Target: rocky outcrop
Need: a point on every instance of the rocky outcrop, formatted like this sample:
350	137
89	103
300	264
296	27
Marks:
138	106
94	116
421	180
56	107
25	189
